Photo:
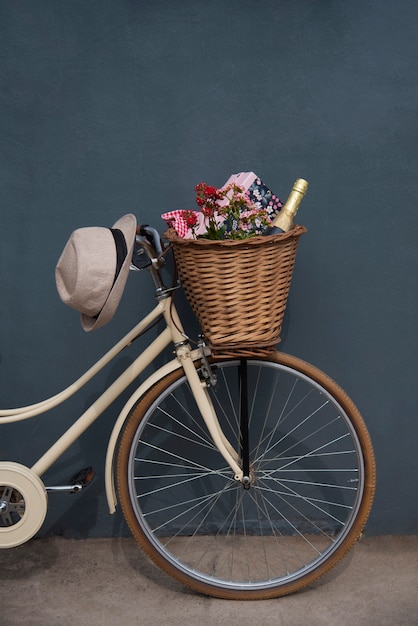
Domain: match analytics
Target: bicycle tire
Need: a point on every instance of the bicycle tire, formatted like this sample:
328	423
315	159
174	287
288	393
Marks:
312	490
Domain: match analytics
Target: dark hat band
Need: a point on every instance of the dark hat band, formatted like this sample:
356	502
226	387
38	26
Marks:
121	250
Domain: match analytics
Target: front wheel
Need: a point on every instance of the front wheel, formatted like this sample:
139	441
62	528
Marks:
312	475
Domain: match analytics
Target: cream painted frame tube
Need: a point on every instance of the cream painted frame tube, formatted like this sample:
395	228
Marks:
185	358
26	412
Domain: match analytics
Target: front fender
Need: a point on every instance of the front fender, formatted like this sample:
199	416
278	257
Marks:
138	393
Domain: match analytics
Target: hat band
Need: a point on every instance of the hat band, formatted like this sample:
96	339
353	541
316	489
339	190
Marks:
121	253
121	250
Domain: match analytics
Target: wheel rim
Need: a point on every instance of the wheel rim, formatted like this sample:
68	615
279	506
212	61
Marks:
289	523
23	504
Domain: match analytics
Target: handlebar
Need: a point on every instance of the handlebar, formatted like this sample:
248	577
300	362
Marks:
149	252
147	241
152	235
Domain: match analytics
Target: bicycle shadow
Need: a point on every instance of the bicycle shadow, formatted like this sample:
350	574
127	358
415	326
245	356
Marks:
128	549
86	514
25	560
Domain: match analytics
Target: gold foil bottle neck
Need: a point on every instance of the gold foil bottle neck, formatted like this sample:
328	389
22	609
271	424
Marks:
285	218
301	185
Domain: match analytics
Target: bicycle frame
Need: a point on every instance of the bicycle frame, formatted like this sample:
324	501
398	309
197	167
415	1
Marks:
304	469
185	358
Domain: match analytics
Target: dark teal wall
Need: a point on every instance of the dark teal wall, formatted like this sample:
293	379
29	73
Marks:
113	106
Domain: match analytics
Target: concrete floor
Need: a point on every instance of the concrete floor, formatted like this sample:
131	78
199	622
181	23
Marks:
109	582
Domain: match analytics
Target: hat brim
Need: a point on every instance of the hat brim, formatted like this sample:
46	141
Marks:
126	224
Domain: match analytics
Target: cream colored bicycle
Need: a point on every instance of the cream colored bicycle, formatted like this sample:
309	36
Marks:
244	478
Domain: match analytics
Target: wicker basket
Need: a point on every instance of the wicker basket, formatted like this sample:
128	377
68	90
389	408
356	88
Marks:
238	288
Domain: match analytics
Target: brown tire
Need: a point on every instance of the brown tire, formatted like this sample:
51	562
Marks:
312	480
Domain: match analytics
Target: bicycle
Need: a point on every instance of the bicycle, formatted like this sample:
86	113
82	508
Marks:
243	478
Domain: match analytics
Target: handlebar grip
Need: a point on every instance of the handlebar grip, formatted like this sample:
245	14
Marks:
153	236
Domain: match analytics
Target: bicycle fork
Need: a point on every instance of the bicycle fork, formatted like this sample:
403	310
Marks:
206	408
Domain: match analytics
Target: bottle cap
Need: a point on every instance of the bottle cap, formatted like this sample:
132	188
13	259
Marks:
301	185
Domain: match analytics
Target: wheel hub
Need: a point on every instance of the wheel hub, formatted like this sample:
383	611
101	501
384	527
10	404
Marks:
12	506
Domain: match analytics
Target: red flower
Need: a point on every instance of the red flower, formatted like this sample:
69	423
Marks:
206	194
190	218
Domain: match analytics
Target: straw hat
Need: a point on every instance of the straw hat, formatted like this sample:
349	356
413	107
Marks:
93	268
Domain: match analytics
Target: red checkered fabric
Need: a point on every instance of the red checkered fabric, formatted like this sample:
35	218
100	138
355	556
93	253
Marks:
175	220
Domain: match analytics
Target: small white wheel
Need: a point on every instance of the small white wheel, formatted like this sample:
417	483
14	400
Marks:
23	504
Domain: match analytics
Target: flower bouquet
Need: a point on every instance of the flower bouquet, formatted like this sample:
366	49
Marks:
236	280
231	212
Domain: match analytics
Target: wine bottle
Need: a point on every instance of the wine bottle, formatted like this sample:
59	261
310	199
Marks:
285	219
